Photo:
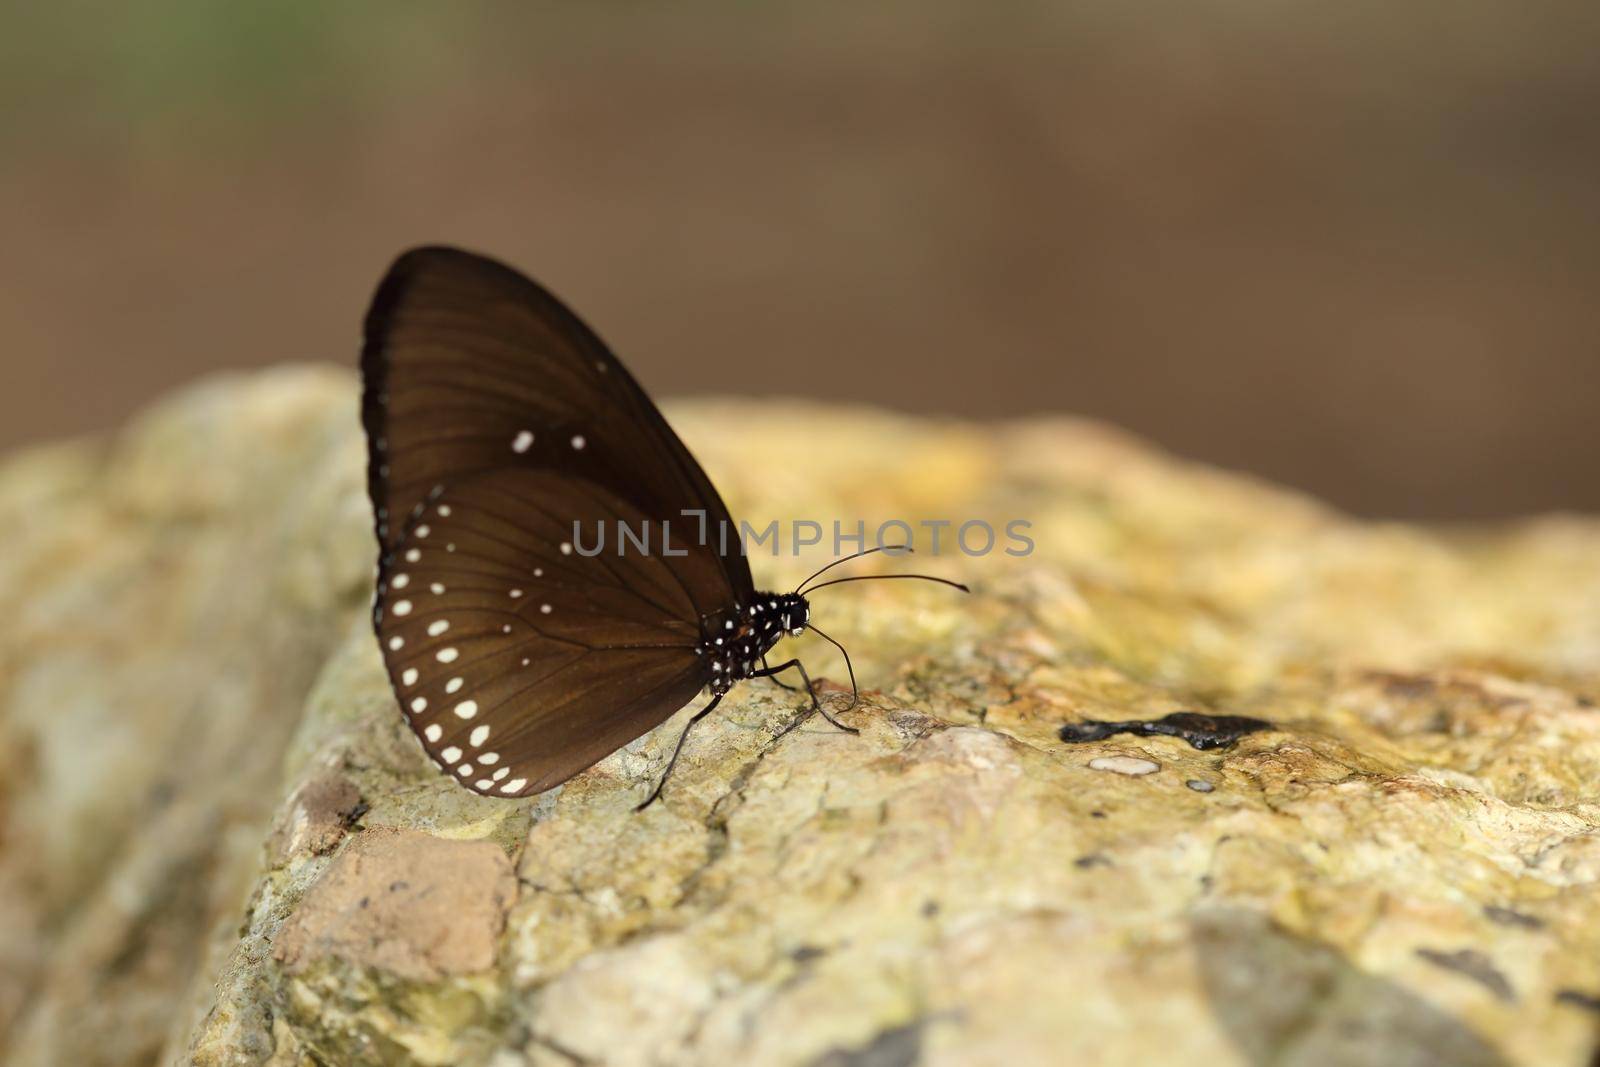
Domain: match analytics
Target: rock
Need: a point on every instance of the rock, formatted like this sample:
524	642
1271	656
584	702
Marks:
167	598
321	811
417	906
1402	869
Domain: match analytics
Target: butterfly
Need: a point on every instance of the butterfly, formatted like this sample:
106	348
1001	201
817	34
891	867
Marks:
498	426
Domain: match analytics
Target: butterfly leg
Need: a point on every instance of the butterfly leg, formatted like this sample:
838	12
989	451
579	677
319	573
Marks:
780	685
816	705
656	792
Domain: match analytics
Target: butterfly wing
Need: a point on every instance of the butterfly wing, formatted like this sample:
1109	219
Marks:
470	367
498	427
518	659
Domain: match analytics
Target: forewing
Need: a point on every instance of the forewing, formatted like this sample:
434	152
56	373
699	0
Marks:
470	366
518	659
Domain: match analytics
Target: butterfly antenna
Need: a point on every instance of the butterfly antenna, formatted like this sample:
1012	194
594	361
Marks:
855	555
882	577
855	693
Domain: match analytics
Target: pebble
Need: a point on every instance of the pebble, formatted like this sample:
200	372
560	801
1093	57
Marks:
1131	765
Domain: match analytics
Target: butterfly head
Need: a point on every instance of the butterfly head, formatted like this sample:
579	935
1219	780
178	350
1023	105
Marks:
794	612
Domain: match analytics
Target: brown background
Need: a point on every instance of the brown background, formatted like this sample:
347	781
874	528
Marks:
1354	247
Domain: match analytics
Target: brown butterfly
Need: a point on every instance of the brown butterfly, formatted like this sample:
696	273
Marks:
498	424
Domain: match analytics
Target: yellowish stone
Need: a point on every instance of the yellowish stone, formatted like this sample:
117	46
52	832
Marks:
1404	869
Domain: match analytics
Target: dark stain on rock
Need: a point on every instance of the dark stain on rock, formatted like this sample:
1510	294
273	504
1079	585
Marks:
1283	999
1410	686
1475	965
897	1047
1201	731
1094	859
1508	917
1579	999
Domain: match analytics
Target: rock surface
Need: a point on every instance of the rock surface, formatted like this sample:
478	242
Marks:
167	599
1403	869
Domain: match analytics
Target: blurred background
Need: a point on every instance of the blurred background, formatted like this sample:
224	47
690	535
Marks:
1352	247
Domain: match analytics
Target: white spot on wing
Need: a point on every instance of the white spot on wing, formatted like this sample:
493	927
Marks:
578	442
412	555
450	755
447	655
513	785
522	442
467	709
452	685
489	757
480	734
402	608
433	732
396	644
400	581
419	704
438	627
423	530
409	676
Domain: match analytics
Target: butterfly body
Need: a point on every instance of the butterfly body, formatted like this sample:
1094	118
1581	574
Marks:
734	644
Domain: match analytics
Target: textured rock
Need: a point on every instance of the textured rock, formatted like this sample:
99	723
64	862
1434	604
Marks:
1402	869
415	905
167	598
320	812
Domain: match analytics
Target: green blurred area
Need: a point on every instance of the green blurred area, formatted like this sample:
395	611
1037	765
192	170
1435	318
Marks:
140	75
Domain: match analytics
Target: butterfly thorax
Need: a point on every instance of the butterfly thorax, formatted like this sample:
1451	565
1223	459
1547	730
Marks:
733	642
